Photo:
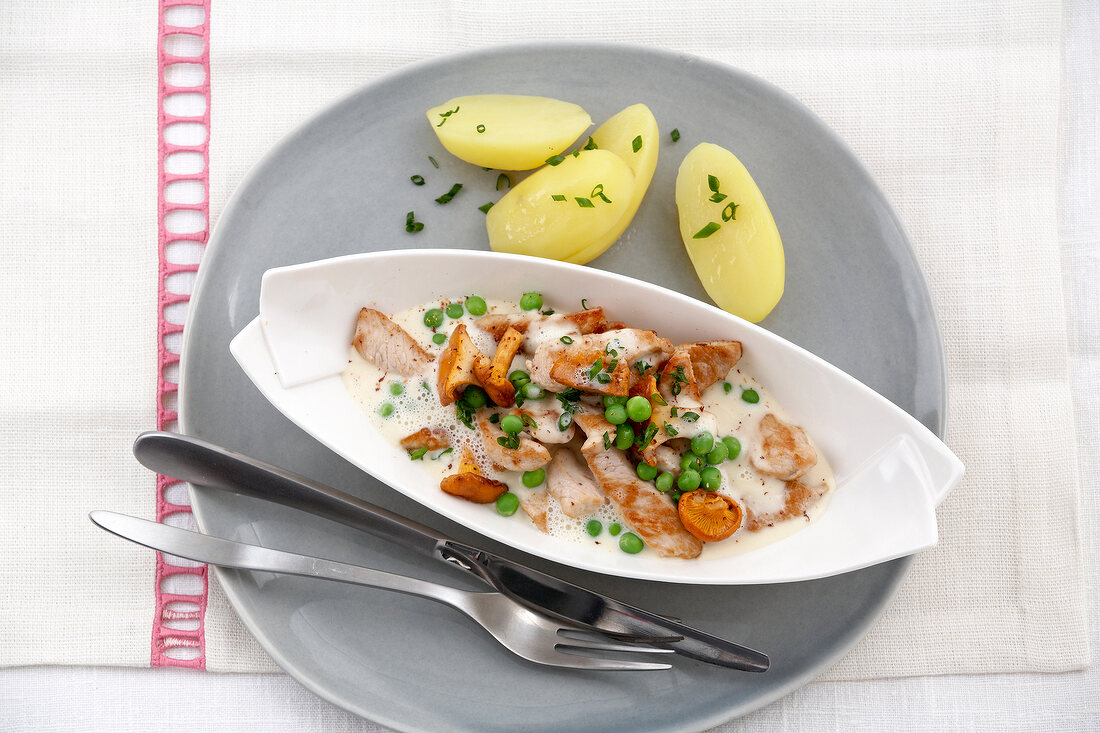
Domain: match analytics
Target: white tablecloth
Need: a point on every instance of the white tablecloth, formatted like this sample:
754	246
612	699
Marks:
63	699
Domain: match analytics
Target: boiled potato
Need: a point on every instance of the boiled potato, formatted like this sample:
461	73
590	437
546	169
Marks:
529	220
507	131
733	242
617	135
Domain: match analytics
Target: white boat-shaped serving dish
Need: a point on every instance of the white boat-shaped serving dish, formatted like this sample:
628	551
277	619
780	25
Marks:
891	472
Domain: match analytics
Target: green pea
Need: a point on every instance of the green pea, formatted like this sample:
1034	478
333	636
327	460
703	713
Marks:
711	478
531	479
750	396
396	388
646	472
593	527
475	396
689	481
511	424
507	504
518	375
718	453
638	409
530	301
675	496
386	409
454	310
439	338
614	528
733	445
665	481
624	436
726	387
702	443
610	399
691	462
616	414
476	305
433	318
533	391
631	543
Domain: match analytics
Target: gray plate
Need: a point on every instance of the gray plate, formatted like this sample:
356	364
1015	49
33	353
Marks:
340	184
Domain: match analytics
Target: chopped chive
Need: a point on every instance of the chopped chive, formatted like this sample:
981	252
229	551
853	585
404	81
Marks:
411	224
576	153
732	209
675	134
658	399
584	203
712	182
672	432
641	366
445	198
548	312
597	192
603	378
557	197
636	143
606	441
486	169
647	437
566	340
718	197
480	128
417	454
690	417
565	421
706	231
591	144
554	159
584	303
673	412
442	453
433	162
446	115
503	181
484	208
596	368
417	179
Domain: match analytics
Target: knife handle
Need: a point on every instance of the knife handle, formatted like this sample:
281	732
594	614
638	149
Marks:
198	462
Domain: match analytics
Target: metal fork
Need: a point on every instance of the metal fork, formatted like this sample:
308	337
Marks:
531	635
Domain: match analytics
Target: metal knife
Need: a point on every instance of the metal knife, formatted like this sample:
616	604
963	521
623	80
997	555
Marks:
198	462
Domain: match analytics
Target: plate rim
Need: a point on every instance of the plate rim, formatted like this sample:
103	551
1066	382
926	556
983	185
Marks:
841	644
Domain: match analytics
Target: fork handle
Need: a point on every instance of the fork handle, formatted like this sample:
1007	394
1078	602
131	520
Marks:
244	556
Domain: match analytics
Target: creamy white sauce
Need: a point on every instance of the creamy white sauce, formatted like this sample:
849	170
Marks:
721	413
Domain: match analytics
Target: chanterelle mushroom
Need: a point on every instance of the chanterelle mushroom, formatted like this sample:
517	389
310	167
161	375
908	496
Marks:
493	374
456	365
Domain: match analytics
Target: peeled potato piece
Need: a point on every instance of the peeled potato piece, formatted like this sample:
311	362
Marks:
635	125
733	243
507	131
528	221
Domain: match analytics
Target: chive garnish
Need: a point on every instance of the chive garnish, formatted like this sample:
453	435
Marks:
641	366
450	194
596	368
557	197
597	192
441	453
603	378
530	422
566	340
706	231
718	197
658	399
671	431
484	208
494	418
606	441
411	224
690	416
446	115
732	209
584	303
548	312
554	159
433	162
584	203
675	134
576	153
417	454
673	412
565	421
417	179
713	183
646	437
509	441
480	128
636	143
591	144
503	181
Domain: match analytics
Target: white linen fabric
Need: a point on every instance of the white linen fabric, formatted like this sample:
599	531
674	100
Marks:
78	325
954	108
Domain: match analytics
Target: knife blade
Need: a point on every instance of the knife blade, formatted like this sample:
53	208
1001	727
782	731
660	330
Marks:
205	464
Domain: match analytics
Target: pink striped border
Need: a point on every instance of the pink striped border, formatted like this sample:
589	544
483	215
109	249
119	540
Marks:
164	638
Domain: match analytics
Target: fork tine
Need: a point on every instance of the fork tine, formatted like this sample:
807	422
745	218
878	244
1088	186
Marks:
583	661
603	646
